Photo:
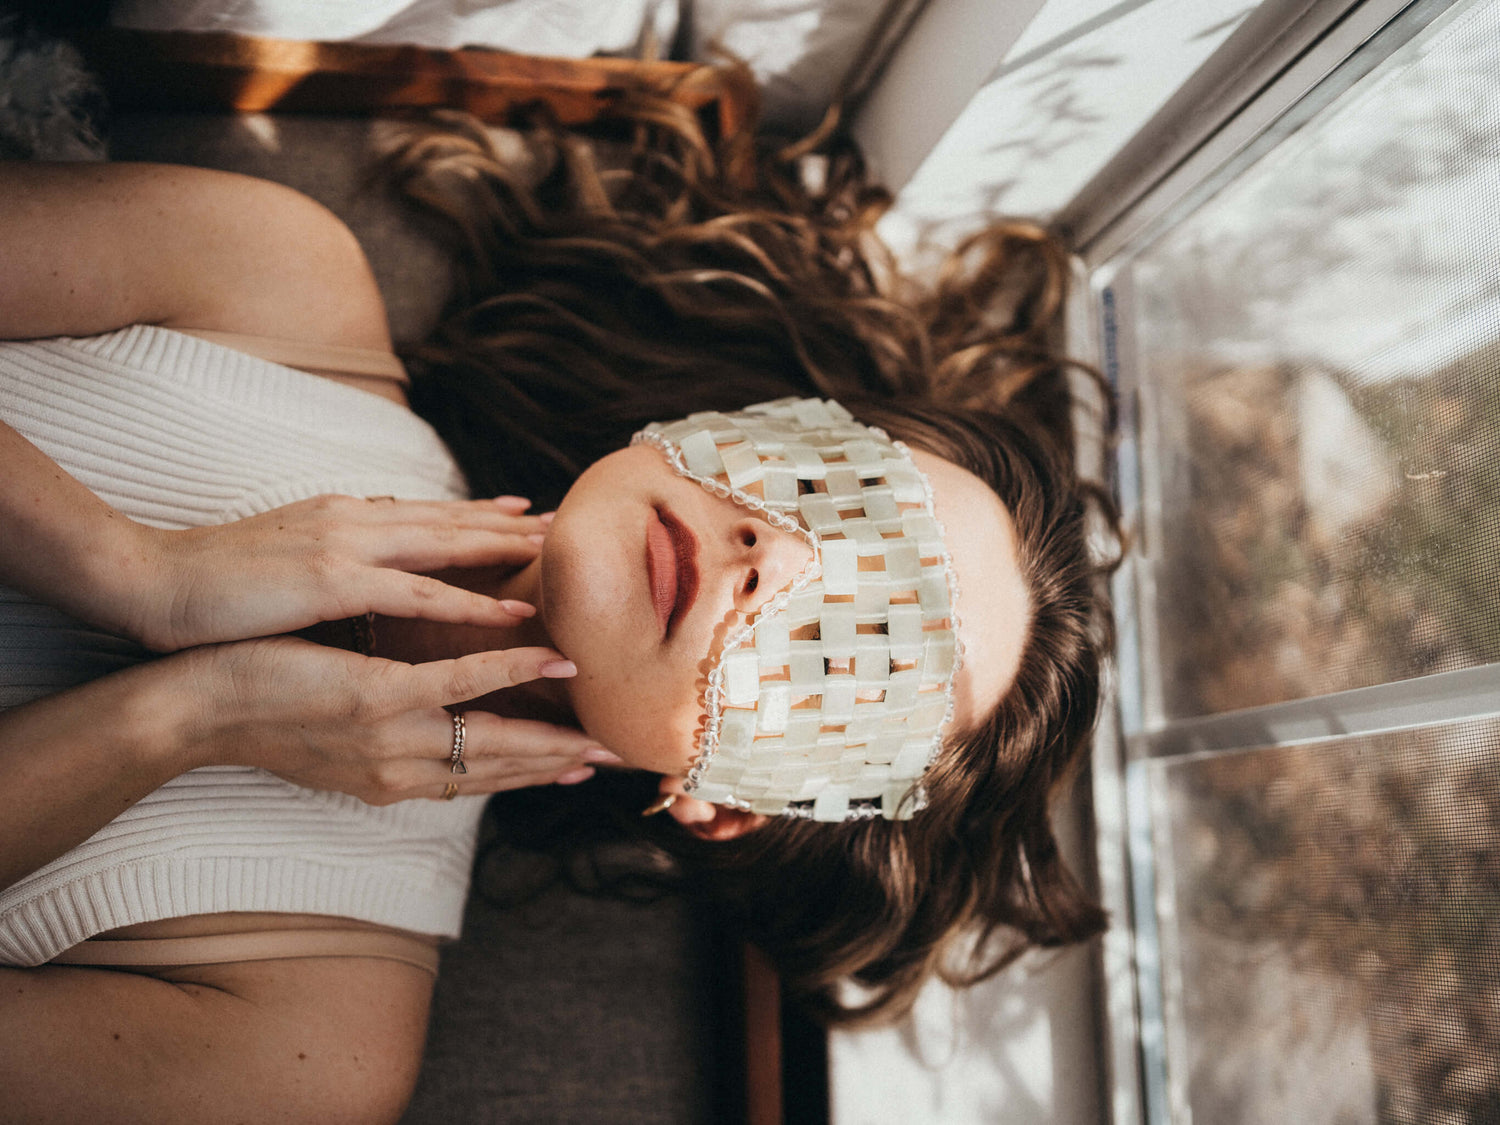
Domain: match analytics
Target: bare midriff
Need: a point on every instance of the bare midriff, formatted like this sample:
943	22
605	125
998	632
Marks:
199	925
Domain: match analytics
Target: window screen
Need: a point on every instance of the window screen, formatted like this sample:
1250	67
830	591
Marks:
1309	355
1331	929
1320	357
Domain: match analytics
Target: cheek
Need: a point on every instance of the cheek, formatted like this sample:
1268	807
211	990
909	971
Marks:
637	698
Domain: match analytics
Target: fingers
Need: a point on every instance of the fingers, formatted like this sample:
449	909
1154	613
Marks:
435	537
441	683
425	534
497	776
515	504
494	742
499	754
503	771
493	736
503	754
431	781
513	753
398	594
436	547
483	515
475	786
379	554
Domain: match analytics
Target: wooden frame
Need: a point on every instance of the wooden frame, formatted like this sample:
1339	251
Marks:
764	1097
235	73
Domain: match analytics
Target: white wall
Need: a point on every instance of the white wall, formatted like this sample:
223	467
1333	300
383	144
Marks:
1069	90
945	58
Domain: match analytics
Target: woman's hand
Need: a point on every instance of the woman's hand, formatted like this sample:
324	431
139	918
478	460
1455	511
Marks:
321	717
377	729
317	560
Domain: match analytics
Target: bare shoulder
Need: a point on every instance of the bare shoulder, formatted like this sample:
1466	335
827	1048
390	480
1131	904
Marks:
275	262
94	247
309	1039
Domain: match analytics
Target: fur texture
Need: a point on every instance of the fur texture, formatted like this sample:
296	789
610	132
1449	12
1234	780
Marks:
50	104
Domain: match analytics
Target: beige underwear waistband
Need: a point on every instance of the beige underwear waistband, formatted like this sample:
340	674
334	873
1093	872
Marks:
252	945
320	359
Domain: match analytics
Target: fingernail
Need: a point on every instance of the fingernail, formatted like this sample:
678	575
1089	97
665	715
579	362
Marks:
546	517
601	756
574	776
538	539
558	669
518	609
515	503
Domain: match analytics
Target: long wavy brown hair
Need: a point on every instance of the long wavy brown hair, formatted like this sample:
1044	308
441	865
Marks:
709	273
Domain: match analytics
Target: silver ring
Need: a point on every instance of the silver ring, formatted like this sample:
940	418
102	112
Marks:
456	755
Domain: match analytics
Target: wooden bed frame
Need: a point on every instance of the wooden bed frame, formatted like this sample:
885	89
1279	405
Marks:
155	70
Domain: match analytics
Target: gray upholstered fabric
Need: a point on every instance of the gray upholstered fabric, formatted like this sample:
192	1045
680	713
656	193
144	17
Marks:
577	1009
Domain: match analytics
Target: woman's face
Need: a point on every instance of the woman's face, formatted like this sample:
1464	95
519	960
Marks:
644	571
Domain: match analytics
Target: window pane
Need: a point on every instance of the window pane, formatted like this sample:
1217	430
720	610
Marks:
1320	401
1331	930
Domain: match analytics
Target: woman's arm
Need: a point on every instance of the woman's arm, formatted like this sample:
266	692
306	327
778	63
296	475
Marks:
325	1041
321	717
89	248
317	560
94	247
61	542
72	762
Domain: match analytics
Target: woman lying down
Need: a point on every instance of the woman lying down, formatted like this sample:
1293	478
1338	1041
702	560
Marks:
817	561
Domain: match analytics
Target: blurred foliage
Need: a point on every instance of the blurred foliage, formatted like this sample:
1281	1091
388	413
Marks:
1440	536
1376	860
1272	598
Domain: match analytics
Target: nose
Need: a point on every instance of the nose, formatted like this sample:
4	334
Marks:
764	559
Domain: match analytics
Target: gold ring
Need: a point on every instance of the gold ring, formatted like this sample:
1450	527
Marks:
662	804
376	499
450	791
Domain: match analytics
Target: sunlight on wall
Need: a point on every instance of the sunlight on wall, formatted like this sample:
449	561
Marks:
1082	78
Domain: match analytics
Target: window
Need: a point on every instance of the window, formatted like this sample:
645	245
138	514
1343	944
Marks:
1307	346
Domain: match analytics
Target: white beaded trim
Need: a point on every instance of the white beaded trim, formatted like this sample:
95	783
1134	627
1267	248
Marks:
831	771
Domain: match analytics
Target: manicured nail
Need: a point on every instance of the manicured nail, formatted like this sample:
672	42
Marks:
547	517
517	609
538	538
513	503
558	669
600	756
574	776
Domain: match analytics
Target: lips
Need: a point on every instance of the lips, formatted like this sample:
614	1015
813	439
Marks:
671	568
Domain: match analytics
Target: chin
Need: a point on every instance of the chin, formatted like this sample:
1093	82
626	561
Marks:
583	591
629	715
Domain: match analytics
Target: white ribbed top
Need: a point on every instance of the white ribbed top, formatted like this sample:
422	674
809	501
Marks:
178	432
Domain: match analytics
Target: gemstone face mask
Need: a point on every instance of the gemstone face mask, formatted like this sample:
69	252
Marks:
830	702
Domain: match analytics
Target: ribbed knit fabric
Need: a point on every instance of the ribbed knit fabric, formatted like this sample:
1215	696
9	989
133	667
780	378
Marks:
177	432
